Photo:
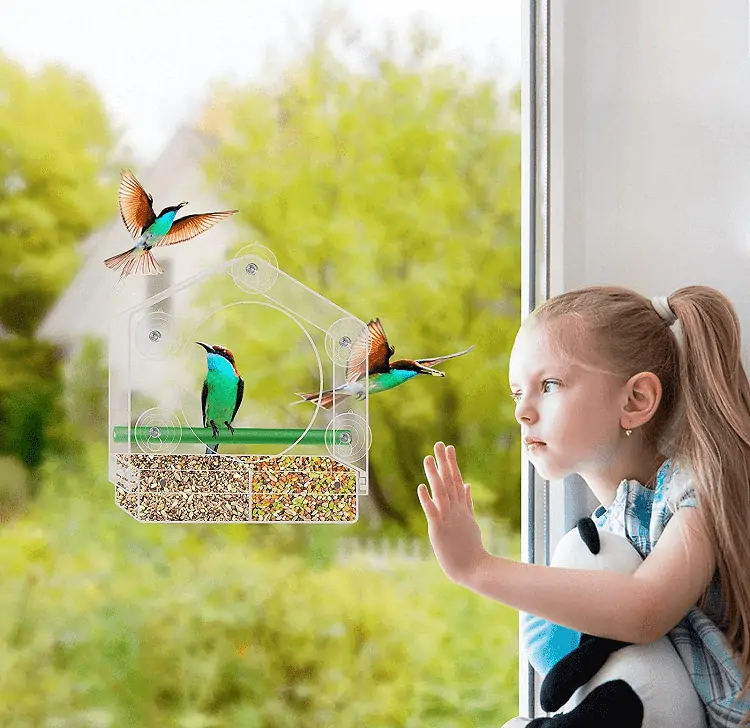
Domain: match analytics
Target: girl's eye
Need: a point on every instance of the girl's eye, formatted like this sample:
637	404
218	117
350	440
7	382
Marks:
515	396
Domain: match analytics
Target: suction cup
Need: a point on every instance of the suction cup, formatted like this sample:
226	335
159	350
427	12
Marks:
163	432
255	268
341	338
157	335
352	445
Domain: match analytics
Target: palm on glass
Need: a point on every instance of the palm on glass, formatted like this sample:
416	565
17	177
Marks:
451	525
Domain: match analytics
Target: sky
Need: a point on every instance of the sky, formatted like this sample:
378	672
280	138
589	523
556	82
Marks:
153	60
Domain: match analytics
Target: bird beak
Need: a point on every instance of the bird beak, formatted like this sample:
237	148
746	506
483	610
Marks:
182	204
209	349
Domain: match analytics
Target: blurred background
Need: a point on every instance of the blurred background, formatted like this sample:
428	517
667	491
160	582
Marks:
375	149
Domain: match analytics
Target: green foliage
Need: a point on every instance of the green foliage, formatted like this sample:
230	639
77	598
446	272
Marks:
394	193
55	158
13	487
31	413
86	388
159	626
55	150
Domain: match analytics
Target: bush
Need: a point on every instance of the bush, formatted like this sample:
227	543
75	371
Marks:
13	487
108	622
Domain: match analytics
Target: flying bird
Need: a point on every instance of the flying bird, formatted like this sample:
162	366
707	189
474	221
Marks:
150	230
383	374
222	392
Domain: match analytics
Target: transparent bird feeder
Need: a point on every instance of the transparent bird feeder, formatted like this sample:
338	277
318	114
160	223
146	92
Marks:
284	463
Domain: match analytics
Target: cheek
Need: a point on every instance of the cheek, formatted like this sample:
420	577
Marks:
600	442
586	422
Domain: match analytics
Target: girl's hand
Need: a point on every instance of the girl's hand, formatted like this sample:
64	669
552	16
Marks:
453	530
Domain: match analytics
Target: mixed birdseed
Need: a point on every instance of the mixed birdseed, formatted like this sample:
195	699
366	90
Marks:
235	488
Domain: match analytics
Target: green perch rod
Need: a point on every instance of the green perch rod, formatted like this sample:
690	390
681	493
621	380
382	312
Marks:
242	435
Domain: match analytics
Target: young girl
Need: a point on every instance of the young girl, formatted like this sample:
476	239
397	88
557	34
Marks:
649	402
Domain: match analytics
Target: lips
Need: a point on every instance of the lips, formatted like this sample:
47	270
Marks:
534	445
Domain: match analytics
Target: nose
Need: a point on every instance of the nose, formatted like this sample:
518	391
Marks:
525	412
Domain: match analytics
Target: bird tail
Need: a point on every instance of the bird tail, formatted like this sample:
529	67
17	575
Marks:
326	398
135	261
212	449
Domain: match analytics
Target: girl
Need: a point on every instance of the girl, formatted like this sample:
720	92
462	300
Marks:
649	402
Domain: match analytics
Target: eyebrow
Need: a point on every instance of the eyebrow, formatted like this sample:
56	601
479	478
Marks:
543	374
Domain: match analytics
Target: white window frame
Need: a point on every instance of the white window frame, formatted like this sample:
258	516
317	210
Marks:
548	508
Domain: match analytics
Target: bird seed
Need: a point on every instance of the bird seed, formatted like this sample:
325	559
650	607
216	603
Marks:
235	488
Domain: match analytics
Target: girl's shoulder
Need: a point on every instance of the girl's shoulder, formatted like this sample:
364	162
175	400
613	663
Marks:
674	487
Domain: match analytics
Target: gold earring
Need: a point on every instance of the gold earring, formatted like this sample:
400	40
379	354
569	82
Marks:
628	432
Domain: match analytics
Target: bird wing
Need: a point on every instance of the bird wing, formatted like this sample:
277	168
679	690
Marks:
191	225
204	397
136	205
438	359
240	392
371	344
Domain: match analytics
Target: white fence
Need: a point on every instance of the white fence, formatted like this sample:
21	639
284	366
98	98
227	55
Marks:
381	553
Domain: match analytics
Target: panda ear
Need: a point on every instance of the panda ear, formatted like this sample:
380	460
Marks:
589	534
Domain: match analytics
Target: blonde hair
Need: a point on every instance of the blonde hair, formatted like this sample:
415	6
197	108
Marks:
703	419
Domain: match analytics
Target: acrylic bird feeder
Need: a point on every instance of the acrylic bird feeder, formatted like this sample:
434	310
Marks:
283	463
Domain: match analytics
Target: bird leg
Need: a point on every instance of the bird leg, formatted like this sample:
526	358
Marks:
231	429
214	428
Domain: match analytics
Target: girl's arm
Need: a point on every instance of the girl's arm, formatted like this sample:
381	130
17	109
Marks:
639	607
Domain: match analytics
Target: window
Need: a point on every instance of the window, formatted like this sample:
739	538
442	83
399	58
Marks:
157	284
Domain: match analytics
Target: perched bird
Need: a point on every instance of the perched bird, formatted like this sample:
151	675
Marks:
383	374
222	392
150	230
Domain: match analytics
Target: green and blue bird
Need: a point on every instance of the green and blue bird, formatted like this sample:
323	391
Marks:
222	392
150	230
372	347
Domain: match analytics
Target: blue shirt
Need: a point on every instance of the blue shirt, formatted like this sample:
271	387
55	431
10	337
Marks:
641	514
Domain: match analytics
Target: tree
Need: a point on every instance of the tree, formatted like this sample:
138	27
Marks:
86	384
395	193
57	182
55	155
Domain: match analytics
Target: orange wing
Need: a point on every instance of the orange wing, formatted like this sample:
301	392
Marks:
135	204
438	359
372	344
191	225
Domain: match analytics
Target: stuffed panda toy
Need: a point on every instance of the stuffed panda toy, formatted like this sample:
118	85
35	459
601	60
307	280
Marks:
604	683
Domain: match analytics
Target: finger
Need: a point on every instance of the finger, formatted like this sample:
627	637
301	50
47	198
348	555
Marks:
445	472
455	472
427	505
469	501
439	495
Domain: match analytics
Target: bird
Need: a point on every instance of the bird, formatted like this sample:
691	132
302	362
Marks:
383	374
150	230
222	392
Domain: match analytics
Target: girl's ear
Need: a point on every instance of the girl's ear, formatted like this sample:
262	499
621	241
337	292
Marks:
643	394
